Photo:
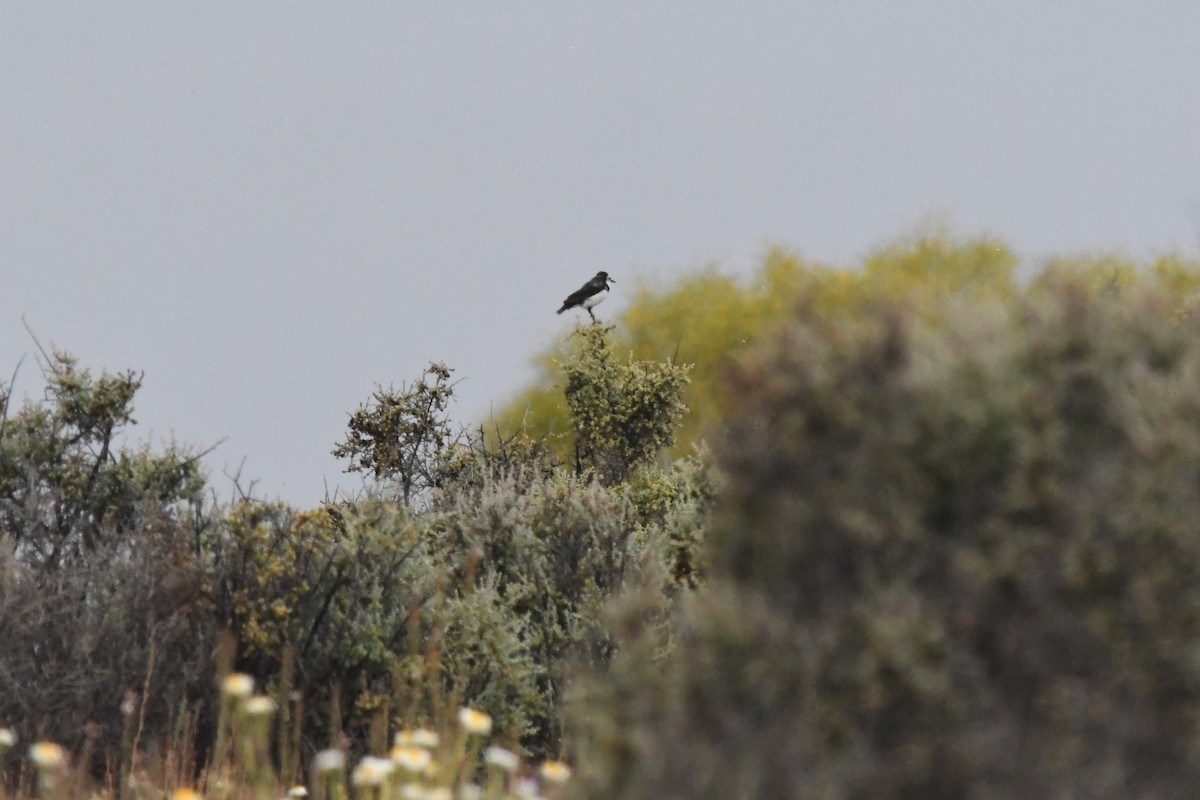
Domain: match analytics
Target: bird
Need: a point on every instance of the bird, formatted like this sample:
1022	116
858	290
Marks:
590	294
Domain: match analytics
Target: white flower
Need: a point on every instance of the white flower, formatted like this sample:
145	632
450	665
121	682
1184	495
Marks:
371	771
47	754
259	706
475	722
410	758
329	761
527	788
237	684
506	760
421	737
555	772
298	792
470	791
8	738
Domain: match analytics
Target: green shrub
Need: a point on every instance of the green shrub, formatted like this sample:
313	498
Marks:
550	553
101	591
622	414
489	597
957	557
471	573
674	508
67	485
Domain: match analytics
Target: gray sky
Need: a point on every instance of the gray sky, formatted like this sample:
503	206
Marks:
270	207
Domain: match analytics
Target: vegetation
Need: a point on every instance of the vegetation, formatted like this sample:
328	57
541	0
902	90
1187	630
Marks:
707	319
956	557
945	547
471	575
401	436
101	587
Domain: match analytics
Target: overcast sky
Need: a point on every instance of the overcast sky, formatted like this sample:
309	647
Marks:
270	207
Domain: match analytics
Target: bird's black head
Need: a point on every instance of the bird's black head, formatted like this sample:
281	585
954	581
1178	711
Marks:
602	275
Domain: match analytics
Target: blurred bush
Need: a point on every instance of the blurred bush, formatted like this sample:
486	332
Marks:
956	556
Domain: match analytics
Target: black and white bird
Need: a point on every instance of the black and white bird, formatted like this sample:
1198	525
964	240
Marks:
590	294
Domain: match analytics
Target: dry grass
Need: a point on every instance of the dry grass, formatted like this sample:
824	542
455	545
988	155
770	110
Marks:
255	757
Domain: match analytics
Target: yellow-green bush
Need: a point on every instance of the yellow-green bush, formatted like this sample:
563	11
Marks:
705	319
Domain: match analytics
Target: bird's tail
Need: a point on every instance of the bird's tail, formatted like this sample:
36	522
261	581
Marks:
564	308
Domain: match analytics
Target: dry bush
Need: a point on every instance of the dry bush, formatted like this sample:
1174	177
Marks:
131	621
101	592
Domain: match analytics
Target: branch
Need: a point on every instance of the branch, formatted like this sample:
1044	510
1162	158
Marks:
8	396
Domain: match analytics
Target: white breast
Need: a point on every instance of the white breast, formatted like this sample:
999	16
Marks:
592	301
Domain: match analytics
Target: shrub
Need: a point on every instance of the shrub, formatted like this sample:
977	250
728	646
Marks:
549	554
403	435
66	485
101	590
332	595
705	318
486	598
957	557
479	580
622	414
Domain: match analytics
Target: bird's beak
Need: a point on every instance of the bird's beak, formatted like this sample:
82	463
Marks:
612	280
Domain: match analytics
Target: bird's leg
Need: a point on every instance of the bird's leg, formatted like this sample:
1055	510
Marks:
590	314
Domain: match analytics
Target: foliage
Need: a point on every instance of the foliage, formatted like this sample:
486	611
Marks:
402	435
956	558
954	553
675	507
335	590
705	319
551	552
65	484
101	591
622	414
489	590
